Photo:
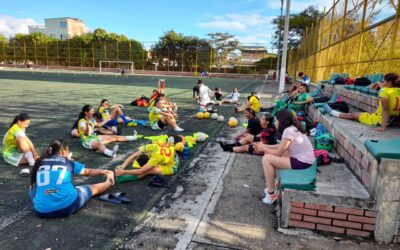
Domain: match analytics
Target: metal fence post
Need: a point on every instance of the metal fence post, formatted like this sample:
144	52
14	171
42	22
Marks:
58	54
93	55
69	54
34	47
47	55
361	36
394	36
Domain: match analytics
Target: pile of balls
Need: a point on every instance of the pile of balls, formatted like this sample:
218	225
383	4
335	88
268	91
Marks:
207	115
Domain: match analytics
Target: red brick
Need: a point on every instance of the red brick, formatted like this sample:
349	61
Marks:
303	211
347	224
370	213
351	149
332	215
368	227
294	216
346	210
357	155
317	220
297	204
332	229
319	207
365	162
362	219
358	233
302	224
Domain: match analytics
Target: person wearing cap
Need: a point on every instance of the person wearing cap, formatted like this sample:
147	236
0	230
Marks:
253	103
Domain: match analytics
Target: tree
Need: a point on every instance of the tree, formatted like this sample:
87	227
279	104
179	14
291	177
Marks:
3	39
297	26
223	44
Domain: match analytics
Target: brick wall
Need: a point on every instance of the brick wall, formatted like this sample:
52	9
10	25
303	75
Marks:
333	219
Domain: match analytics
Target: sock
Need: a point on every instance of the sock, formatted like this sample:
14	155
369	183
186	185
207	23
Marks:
238	144
130	138
226	147
108	152
272	192
29	157
123	117
127	177
335	113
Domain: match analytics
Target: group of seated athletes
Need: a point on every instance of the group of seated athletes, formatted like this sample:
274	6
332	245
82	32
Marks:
52	191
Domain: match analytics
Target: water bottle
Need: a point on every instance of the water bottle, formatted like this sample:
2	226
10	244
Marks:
186	151
320	129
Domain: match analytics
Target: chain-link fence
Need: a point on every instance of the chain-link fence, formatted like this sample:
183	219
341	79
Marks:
354	36
145	56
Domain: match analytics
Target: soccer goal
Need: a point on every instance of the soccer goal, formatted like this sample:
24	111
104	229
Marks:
127	66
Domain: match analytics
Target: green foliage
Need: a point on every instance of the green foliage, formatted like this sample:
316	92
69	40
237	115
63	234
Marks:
3	39
297	26
266	64
224	44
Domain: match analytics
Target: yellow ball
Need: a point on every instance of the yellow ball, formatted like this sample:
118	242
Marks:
179	147
206	115
200	115
233	122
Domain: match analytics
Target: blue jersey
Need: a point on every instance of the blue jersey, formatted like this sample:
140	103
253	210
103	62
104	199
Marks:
54	188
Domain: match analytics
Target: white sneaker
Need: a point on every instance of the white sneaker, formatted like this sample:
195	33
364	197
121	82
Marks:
270	199
277	183
178	129
114	129
135	134
115	150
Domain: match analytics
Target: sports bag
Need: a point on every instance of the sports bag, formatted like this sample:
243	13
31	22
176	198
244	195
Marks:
322	157
340	81
340	106
362	81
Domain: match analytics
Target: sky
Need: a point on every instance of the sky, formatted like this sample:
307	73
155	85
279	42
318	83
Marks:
146	21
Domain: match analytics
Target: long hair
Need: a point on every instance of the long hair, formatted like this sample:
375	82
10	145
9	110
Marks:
85	109
269	118
287	119
21	117
252	112
54	148
101	103
393	78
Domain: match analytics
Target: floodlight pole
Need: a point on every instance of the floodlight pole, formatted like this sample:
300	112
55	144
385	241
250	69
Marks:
284	49
278	62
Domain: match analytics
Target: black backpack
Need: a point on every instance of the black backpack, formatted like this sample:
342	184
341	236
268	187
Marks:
362	81
340	106
340	81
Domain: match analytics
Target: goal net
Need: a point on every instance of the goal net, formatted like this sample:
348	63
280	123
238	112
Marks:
117	67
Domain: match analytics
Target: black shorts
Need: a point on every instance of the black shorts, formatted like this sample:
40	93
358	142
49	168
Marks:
296	164
160	124
256	139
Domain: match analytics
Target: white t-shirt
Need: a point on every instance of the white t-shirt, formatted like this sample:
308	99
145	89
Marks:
234	96
301	147
203	94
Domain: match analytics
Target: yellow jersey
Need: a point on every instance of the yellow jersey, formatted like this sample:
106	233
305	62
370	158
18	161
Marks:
393	95
10	138
154	115
255	104
159	154
104	112
82	127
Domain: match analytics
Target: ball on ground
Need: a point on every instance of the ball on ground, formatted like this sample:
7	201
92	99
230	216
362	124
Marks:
221	118
201	137
200	115
233	122
206	115
214	116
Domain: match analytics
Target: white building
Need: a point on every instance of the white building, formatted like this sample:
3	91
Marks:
60	28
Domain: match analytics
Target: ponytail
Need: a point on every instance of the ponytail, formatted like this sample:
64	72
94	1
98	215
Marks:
54	148
85	109
393	78
101	103
21	117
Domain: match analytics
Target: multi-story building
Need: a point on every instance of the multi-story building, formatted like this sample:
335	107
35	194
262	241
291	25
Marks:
60	28
252	54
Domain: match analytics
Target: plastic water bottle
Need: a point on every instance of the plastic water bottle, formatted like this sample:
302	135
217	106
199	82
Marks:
186	151
320	129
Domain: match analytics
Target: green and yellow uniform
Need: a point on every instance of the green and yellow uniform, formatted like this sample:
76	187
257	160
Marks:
154	116
375	119
87	140
104	112
11	154
163	156
255	103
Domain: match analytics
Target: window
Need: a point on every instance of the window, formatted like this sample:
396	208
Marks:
63	25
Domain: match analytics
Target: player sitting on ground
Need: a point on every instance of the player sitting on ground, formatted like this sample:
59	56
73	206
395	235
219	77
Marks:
90	140
246	136
159	117
389	105
267	136
105	130
162	158
52	191
253	103
17	147
218	94
233	97
116	116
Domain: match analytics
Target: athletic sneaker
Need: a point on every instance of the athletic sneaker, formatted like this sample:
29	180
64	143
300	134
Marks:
226	147
178	129
270	199
135	134
327	108
115	150
277	182
131	124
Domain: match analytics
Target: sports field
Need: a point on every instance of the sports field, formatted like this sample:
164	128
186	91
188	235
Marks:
54	101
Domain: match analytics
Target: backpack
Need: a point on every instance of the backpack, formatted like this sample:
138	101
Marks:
350	81
339	106
324	141
322	99
340	81
303	117
322	157
362	81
